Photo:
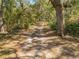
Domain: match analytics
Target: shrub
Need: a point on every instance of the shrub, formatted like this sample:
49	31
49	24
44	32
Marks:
72	28
52	24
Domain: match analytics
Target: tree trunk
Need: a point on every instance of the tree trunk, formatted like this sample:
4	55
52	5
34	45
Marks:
59	14
60	21
1	17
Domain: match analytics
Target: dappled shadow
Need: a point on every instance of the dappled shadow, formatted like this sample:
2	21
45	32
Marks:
60	48
11	58
47	45
71	38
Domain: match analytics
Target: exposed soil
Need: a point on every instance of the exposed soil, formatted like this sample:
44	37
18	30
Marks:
39	42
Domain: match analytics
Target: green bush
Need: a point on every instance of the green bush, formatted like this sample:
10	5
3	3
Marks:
52	24
72	28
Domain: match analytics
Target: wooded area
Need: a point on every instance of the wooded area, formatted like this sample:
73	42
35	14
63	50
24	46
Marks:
31	20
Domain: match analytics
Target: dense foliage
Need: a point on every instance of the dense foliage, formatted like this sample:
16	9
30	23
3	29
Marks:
71	8
20	14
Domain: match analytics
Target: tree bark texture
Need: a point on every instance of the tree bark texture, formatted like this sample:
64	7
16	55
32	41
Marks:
59	15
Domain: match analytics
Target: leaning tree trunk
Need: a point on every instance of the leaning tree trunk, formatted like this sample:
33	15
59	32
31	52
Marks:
2	25
59	14
1	17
